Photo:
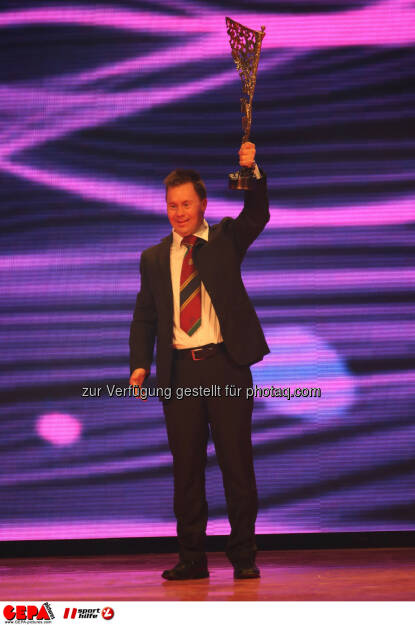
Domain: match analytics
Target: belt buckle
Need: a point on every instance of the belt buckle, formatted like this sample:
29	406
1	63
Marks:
197	349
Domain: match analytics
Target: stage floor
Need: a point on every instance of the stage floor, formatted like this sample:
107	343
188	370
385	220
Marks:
295	575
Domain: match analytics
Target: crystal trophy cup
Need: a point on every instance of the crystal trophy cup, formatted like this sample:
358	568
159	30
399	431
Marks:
246	48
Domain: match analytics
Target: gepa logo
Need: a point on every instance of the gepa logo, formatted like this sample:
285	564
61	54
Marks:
28	613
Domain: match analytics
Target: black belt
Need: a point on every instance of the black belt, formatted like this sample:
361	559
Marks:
199	353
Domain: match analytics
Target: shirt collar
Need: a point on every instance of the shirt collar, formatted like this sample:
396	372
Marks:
202	232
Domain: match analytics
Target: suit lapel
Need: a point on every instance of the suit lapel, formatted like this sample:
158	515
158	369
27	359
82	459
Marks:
200	250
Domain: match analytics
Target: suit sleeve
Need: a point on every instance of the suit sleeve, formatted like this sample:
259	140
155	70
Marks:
254	216
143	326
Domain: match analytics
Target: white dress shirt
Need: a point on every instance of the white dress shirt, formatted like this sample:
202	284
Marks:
209	330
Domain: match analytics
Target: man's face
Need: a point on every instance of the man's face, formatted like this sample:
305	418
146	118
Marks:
185	209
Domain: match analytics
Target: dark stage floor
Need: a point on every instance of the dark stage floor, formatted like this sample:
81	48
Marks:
333	575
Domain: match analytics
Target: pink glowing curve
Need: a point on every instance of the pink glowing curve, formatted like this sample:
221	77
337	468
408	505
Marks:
387	22
111	466
207	46
203	48
72	258
80	109
59	429
87	110
331	280
55	530
357	280
151	199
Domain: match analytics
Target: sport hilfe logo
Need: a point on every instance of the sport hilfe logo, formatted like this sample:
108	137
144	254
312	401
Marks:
28	613
81	612
107	613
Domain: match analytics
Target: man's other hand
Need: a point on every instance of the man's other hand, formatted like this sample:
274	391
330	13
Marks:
137	377
247	154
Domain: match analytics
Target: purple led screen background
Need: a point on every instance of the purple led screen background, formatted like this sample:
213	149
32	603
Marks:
99	101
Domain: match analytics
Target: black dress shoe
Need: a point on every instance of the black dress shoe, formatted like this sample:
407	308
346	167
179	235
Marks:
246	571
197	569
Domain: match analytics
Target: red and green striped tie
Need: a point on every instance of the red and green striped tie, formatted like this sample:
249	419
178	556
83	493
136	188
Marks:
190	295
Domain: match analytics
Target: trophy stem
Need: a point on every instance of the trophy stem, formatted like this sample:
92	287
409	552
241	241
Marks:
246	48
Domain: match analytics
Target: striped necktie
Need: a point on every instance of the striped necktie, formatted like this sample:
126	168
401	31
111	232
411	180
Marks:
190	296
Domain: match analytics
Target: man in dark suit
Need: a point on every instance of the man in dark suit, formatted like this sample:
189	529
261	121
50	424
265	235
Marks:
193	300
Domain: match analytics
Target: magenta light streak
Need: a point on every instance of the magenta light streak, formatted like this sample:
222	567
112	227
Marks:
101	107
112	192
111	17
56	530
81	374
204	48
49	318
86	110
151	199
400	378
396	211
368	330
328	385
395	311
386	22
323	280
98	468
95	257
311	280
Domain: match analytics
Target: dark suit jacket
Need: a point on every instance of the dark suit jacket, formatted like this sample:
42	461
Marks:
218	261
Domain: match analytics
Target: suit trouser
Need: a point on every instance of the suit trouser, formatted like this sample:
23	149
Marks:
230	420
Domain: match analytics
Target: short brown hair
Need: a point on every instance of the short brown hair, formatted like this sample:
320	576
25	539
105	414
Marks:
181	176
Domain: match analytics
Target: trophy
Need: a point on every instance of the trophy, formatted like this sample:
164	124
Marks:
246	48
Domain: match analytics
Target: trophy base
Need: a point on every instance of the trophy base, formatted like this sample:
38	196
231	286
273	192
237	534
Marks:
243	179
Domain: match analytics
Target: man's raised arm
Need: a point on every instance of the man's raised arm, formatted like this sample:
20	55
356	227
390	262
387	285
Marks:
255	214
